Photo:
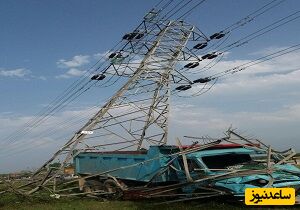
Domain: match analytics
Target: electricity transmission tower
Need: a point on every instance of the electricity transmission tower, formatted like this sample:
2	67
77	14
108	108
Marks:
136	116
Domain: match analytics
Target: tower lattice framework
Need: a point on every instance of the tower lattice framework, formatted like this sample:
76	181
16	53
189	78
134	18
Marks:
136	116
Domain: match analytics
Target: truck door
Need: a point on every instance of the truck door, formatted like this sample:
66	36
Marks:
194	166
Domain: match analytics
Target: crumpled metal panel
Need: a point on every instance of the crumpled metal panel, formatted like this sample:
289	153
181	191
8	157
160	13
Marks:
238	185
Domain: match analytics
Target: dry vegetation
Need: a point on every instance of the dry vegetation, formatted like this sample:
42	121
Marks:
11	201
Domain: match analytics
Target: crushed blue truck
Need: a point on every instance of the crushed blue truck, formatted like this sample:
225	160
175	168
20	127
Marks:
215	169
186	172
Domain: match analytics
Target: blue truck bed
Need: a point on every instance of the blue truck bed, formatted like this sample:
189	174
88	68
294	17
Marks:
95	162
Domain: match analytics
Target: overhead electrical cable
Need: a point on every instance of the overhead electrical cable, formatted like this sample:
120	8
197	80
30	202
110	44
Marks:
246	39
62	102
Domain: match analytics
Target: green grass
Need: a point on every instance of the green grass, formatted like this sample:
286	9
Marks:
11	201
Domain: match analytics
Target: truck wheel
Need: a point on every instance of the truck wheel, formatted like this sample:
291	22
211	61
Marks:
92	185
112	187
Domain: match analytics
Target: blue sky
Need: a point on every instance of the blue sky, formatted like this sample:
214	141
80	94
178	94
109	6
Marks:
44	46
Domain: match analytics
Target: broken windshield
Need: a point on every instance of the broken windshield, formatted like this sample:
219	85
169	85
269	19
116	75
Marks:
226	161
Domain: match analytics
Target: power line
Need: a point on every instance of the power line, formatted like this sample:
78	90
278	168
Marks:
186	14
254	15
69	93
246	39
59	104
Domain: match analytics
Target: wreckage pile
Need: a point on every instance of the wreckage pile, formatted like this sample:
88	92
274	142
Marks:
220	167
163	56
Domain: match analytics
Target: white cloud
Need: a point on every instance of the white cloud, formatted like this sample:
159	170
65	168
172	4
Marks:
44	140
280	72
42	78
267	51
73	65
276	65
272	82
264	99
79	61
75	72
21	72
38	77
269	126
76	61
220	119
186	119
99	56
280	120
71	73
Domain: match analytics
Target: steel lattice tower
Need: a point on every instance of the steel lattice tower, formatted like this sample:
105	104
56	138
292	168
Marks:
136	116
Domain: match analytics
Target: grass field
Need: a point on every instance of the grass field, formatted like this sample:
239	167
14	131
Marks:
11	201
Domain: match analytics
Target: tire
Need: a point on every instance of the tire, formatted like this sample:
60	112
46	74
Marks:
92	185
111	186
